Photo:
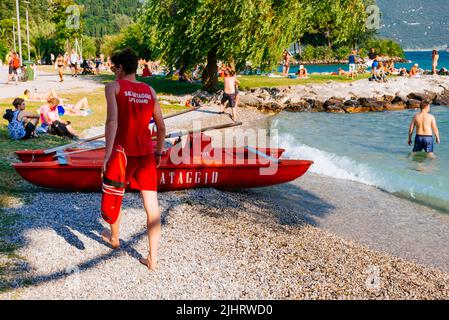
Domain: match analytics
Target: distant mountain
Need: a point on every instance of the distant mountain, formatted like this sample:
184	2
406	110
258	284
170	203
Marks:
416	24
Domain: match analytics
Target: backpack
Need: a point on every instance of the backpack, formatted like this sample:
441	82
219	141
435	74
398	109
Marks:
60	129
9	115
16	63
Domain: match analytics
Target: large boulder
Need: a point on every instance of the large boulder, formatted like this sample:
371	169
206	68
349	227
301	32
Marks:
393	107
442	99
413	104
316	105
298	106
378	106
388	98
250	100
398	103
207	97
334	105
352	106
426	96
367	102
335	109
271	106
263	93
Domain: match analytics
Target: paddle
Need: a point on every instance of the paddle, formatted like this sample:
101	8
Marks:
81	142
181	113
73	144
187	132
76	152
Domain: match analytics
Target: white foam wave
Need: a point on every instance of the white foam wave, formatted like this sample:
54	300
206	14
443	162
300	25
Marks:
329	164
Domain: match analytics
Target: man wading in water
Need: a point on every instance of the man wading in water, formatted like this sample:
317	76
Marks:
131	105
426	125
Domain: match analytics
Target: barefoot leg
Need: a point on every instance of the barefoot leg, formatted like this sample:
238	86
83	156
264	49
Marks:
81	105
106	236
112	237
151	205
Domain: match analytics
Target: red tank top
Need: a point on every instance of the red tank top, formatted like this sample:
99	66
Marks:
135	104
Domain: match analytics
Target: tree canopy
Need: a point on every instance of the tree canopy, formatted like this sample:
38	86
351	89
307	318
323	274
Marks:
189	32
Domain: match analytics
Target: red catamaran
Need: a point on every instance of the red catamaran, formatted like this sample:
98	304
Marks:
181	167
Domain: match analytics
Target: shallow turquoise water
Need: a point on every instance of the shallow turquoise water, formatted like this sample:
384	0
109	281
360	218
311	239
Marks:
423	58
370	148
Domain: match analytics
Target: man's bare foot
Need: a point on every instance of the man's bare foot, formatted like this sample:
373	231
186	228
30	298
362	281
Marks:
148	263
106	236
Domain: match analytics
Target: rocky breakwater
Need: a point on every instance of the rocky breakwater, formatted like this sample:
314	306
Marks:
355	97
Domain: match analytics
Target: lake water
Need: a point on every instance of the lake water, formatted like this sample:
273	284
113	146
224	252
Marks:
423	58
370	148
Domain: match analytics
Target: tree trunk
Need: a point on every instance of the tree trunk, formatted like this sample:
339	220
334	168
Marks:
329	40
210	73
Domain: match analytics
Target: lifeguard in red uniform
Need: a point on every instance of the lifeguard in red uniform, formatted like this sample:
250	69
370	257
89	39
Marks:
130	107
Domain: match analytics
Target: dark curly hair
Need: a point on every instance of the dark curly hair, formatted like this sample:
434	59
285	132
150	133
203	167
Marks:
127	58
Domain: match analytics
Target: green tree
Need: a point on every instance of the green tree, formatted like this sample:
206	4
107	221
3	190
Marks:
189	32
339	21
68	24
142	41
3	50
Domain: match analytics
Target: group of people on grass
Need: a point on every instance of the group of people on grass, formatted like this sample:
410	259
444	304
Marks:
23	124
380	69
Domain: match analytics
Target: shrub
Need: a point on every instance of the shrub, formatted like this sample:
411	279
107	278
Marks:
386	47
308	54
324	53
3	50
343	53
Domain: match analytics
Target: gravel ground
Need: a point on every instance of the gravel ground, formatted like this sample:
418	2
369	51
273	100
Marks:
215	245
316	238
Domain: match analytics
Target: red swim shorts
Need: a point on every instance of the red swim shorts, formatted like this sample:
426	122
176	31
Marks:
141	173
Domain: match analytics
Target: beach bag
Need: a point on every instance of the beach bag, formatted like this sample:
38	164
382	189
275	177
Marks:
9	115
60	129
113	185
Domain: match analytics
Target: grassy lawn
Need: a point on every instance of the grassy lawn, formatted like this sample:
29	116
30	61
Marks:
251	82
167	86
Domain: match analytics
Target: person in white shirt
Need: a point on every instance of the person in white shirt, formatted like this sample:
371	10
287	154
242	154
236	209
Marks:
74	63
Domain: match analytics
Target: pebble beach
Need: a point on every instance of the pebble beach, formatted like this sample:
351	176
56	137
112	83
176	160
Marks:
314	238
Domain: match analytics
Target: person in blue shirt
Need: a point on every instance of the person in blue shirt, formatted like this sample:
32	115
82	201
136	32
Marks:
352	65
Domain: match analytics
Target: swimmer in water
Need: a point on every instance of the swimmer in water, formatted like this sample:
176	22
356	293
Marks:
426	126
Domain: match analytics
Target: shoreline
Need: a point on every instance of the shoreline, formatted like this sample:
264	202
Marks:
359	96
314	238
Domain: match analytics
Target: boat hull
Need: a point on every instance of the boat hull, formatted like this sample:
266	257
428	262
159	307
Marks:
85	176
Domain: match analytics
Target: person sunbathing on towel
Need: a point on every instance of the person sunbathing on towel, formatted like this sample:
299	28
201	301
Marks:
30	96
81	108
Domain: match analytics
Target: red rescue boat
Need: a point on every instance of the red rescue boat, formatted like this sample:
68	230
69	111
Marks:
181	168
